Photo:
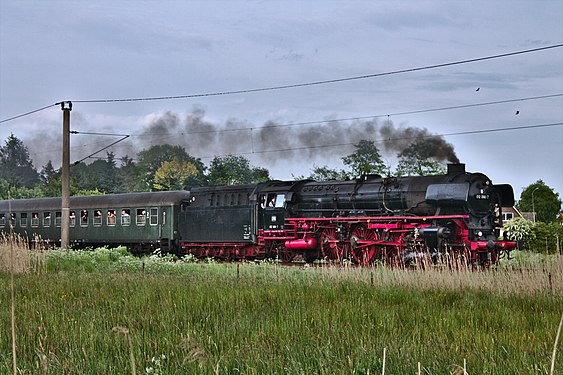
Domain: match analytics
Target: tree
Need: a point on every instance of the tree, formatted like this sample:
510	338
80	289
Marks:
418	160
365	160
325	173
260	174
546	238
151	159
8	191
539	237
50	180
541	199
174	174
48	173
100	175
15	165
127	175
232	170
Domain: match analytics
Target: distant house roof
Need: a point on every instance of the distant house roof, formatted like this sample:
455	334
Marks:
512	209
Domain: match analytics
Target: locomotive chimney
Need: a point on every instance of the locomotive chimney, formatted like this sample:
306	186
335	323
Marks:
456	168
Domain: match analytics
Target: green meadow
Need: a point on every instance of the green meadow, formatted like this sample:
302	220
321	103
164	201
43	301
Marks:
105	312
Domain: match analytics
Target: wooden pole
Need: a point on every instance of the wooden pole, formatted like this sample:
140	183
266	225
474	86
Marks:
65	177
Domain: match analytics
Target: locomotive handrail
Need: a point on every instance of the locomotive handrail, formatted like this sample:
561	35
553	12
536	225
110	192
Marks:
374	218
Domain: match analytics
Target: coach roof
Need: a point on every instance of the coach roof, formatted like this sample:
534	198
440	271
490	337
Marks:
161	198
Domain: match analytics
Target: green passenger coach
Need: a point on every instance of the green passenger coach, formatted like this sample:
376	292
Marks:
140	221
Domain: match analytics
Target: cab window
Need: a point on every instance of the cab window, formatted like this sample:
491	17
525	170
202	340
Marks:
272	200
280	200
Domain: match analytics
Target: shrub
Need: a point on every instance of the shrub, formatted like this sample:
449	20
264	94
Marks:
518	229
539	237
546	238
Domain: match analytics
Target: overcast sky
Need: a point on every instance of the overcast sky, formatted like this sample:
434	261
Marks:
52	51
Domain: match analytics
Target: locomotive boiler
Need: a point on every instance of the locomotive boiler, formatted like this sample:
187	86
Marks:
401	218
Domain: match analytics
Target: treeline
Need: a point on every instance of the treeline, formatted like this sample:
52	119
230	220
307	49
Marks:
168	167
161	167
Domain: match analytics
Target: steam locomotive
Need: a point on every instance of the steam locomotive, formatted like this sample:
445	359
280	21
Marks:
395	220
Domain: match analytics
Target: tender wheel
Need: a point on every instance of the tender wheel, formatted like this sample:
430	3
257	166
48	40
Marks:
363	253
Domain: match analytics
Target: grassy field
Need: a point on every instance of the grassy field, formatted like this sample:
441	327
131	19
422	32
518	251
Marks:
106	312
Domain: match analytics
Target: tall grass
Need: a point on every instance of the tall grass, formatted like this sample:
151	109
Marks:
17	255
205	317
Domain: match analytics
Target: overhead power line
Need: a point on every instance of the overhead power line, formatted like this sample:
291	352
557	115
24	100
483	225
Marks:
29	113
124	137
436	109
324	82
492	130
297	85
333	121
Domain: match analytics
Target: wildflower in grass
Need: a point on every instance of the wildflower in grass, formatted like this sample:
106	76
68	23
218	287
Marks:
156	365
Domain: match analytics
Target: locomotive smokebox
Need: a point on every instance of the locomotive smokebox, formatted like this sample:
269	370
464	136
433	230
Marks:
456	168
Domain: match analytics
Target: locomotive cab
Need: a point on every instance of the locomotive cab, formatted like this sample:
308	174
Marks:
273	200
272	207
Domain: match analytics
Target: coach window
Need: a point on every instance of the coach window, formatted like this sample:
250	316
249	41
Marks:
84	218
141	216
2	220
35	219
23	219
154	216
46	219
13	219
126	217
97	218
58	219
111	218
72	218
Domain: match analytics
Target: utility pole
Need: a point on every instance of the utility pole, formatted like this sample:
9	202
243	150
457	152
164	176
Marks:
65	177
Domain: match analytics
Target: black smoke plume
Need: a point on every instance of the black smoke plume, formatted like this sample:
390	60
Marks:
397	139
271	143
